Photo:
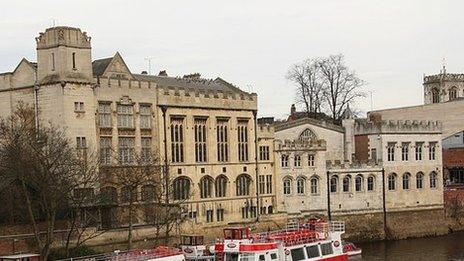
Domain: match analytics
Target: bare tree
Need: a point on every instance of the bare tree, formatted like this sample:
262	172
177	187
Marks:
44	164
307	78
341	85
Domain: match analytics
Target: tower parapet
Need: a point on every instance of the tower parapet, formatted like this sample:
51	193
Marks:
63	36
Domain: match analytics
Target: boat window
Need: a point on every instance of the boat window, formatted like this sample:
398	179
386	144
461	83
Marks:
312	251
231	257
326	249
261	257
247	257
297	254
273	256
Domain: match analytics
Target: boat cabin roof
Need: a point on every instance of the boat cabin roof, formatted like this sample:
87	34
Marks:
237	233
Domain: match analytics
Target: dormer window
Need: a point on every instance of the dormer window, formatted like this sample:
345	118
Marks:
74	61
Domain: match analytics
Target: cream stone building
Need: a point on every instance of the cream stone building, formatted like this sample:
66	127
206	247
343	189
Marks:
220	160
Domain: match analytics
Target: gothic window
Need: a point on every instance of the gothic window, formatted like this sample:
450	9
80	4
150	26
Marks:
126	150
79	107
314	185
105	150
262	184
419	150
222	141
358	182
370	183
435	95
433	180
307	134
220	214
406	180
242	132
287	186
177	140
268	184
391	151
200	140
148	193
347	183
104	115
297	161
300	186
311	160
284	160
145	116
146	149
128	194
125	116
405	151
333	184
263	152
181	188
221	186
392	181
109	194
432	150
419	180
453	94
81	147
243	184
206	187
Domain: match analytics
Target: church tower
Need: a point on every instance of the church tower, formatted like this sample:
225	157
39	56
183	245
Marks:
63	55
443	87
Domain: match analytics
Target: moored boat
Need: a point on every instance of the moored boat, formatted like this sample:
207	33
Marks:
351	249
303	241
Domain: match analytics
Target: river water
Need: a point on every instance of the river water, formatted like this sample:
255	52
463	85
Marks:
449	247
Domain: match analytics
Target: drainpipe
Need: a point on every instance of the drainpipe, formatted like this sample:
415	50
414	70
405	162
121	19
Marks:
383	203
256	165
329	214
164	108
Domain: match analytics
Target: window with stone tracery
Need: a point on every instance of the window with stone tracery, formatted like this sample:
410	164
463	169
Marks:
177	140
435	96
453	94
242	132
222	141
125	116
200	140
307	134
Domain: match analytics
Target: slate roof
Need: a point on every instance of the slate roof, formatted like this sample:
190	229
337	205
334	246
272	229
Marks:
99	66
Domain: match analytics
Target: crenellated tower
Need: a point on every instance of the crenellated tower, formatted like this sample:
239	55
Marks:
443	87
63	55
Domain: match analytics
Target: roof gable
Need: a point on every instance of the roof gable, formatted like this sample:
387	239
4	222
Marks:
114	67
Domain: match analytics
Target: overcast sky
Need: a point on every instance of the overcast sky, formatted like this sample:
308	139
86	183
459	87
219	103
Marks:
390	44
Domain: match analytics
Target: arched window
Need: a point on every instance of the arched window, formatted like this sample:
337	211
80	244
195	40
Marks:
358	182
181	188
109	195
370	183
314	185
243	184
300	186
287	186
453	93
419	180
307	134
221	186
284	160
392	181
435	96
346	183
148	193
433	179
406	180
333	184
297	161
128	194
206	187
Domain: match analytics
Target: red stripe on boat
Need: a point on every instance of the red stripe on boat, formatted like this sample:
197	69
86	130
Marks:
257	247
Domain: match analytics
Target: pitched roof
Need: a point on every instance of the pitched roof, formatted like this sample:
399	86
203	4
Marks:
99	66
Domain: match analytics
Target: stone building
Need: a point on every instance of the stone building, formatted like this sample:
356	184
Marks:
206	130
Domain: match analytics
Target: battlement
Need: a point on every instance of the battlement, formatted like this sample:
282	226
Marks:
399	126
301	144
354	165
205	93
452	77
63	36
104	82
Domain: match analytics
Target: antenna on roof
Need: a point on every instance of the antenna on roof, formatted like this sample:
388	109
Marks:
149	63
